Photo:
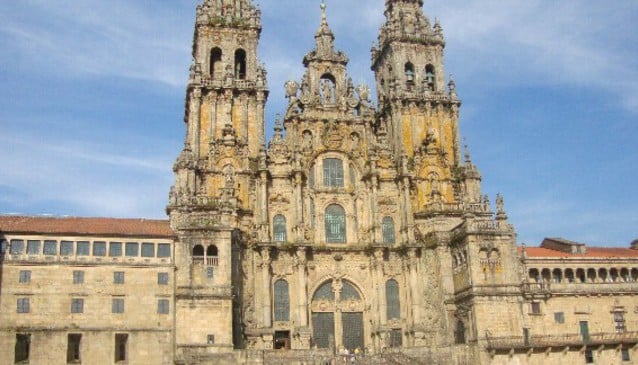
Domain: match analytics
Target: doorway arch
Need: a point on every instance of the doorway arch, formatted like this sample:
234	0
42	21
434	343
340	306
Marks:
337	315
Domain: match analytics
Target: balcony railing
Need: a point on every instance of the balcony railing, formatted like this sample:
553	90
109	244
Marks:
544	341
206	260
570	288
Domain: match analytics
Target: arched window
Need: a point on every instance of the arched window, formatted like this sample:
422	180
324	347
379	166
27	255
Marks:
557	276
387	227
215	61
333	172
324	292
211	256
198	254
282	301
393	302
211	251
409	73
335	221
240	64
430	78
279	228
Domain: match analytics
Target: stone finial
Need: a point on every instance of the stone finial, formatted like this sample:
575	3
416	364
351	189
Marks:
500	208
452	87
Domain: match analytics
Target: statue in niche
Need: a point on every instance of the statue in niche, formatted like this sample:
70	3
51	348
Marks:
355	142
307	142
229	176
327	91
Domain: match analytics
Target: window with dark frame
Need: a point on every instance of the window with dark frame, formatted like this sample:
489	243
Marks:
74	341
559	317
393	301
50	247
33	247
17	247
132	249
333	172
148	249
619	321
387	228
83	248
624	354
118	277
115	249
99	248
24	277
279	228
163	306
23	305
281	301
66	248
77	305
22	348
78	277
117	305
162	278
163	250
335	224
535	308
121	344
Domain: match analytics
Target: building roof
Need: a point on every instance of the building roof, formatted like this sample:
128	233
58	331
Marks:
86	226
592	252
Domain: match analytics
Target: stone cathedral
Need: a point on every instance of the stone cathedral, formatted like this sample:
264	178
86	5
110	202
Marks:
358	228
353	226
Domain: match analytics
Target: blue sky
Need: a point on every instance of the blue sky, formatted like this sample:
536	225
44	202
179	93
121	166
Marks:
91	114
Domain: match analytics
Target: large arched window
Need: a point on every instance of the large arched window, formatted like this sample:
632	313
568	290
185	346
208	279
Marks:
393	302
240	64
282	301
333	172
335	224
279	228
215	61
387	227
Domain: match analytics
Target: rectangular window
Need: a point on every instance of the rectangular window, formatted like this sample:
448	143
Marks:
210	272
73	348
78	277
17	247
559	317
99	248
115	249
118	277
33	247
84	248
117	305
210	339
148	249
396	338
132	249
66	248
624	354
589	357
4	246
535	308
162	278
121	347
619	320
25	277
163	250
23	305
77	305
50	248
22	348
333	172
163	306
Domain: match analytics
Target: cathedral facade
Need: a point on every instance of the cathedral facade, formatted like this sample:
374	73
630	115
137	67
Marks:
359	226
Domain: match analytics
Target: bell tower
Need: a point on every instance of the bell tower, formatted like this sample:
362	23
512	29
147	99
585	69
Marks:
212	201
416	107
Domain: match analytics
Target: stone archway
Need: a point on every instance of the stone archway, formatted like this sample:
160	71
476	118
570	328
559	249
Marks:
337	315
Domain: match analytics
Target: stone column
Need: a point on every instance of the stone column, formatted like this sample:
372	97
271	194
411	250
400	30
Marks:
407	209
373	207
194	122
302	308
414	288
266	292
213	117
298	214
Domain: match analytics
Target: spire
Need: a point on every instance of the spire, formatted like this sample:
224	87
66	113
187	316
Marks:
324	36
239	13
406	21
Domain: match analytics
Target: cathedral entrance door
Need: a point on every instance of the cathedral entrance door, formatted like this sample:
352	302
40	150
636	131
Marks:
337	316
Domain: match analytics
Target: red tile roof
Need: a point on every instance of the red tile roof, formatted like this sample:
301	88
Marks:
591	252
86	226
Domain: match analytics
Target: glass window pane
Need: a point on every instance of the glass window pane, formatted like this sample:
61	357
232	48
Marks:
279	228
282	301
66	248
84	248
335	222
33	247
115	249
148	249
99	248
17	247
132	249
163	250
333	172
387	227
393	301
50	247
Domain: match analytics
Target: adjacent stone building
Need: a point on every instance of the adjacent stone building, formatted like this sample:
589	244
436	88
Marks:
360	225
